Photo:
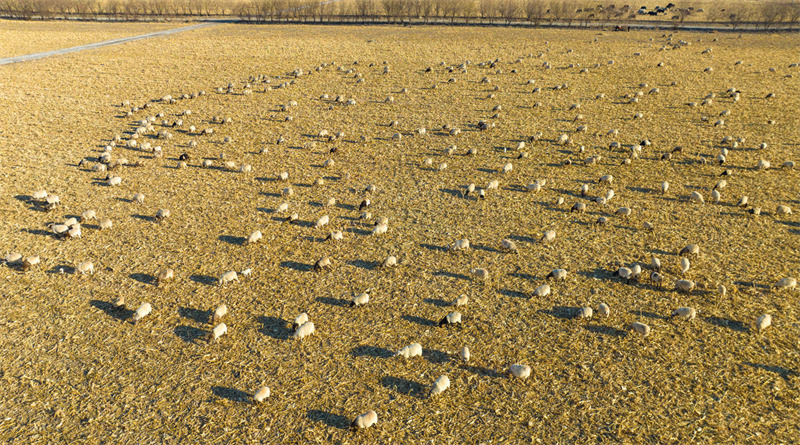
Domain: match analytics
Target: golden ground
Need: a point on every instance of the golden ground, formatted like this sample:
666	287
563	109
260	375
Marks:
74	370
18	38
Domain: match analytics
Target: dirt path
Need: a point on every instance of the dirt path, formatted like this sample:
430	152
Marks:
57	52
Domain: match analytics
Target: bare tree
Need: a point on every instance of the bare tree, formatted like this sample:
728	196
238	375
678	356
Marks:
488	9
535	10
771	13
508	10
793	12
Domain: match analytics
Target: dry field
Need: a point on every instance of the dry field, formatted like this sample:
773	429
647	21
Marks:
76	370
19	38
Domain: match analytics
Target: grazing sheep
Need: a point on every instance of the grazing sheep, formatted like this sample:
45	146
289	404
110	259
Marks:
162	214
519	371
299	320
684	265
51	202
218	331
558	274
451	318
697	197
219	312
365	420
390	261
763	322
585	312
690	249
106	224
655	263
228	277
786	283
639	328
684	285
85	268
255	237
685	313
508	245
462	244
141	312
480	274
87	215
165	275
462	300
304	330
323	263
360	299
261	395
603	310
138	198
440	385
542	291
380	229
412	350
548	237
322	221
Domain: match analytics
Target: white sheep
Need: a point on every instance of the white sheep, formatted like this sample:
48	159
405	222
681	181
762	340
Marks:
228	277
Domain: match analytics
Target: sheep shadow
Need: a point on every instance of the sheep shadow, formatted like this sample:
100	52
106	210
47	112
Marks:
562	312
235	240
189	334
647	314
444	273
437	302
480	370
403	386
434	247
605	330
511	293
294	265
486	248
523	239
232	394
119	313
204	279
726	323
451	192
780	370
61	268
274	327
40	232
419	320
599	273
144	217
368	265
371	351
434	356
198	315
340	302
330	419
143	278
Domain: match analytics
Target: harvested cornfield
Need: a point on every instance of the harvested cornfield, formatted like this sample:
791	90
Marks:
370	123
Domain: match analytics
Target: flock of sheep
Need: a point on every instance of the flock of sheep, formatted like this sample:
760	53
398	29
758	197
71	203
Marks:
159	123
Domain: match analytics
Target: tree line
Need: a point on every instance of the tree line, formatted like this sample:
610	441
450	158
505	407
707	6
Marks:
768	13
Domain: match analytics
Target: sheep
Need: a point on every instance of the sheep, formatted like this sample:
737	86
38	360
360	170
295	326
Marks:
39	195
323	263
519	371
763	322
75	231
786	283
164	276
763	165
451	318
508	245
603	310
548	237
380	229
365	420
655	263
742	201
684	313
299	321
462	244
656	278
507	168
262	394
322	221
480	274
228	277
639	328
624	211
27	262
783	210
218	331
138	198
13	259
360	299
162	214
412	350
690	249
114	180
697	197
716	196
254	237
684	285
664	187
85	268
87	215
585	312
440	385
51	202
218	313
684	265
390	261
606	179
493	185
106	224
558	274
336	235
142	311
462	300
304	330
542	291
287	191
